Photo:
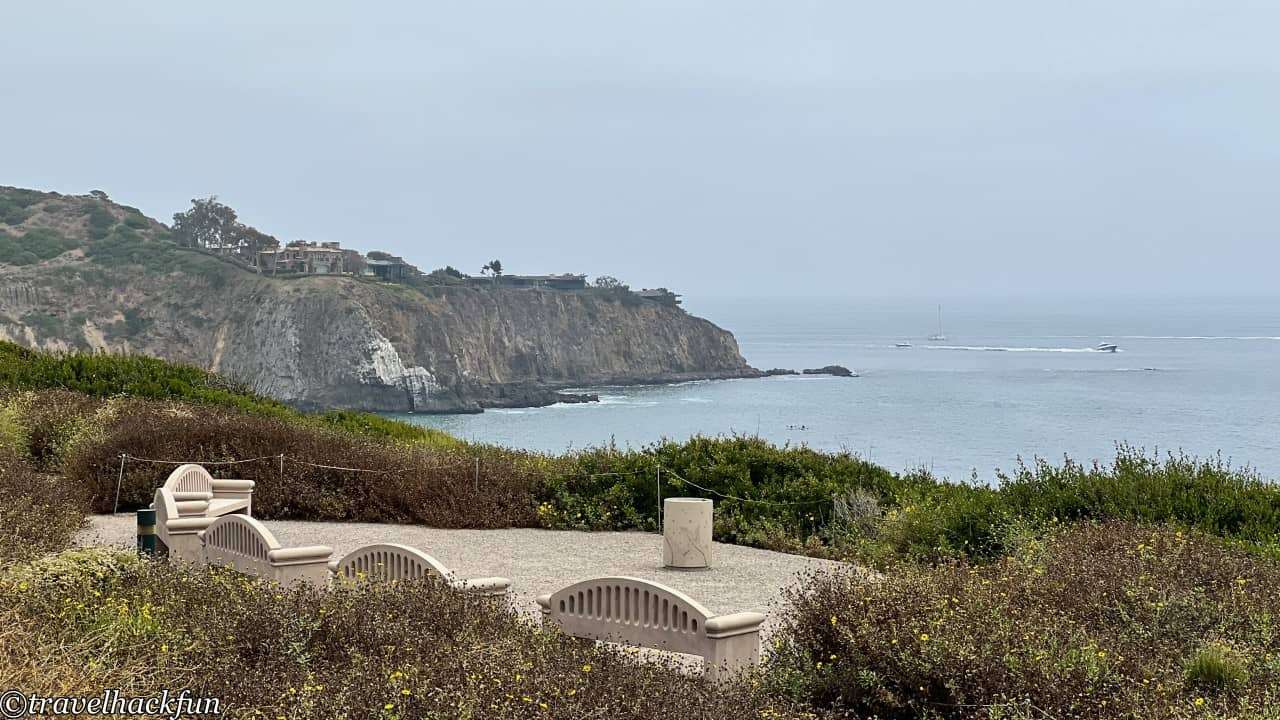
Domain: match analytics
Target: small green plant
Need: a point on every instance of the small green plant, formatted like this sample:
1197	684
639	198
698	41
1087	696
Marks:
1214	668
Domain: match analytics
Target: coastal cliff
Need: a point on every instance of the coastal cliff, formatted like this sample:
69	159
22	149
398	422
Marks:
329	341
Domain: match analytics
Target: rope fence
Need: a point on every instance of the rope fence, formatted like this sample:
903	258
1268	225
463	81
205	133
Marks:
282	458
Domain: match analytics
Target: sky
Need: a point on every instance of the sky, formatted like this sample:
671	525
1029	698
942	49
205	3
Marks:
719	148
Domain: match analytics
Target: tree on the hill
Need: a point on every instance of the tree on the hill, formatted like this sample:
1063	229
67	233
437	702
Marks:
610	282
209	223
493	267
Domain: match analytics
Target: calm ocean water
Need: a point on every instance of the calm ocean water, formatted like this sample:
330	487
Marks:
1013	379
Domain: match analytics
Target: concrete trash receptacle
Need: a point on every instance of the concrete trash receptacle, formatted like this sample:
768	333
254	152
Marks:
686	533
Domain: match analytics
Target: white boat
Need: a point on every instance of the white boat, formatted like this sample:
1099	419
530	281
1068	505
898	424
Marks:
1106	347
902	345
940	336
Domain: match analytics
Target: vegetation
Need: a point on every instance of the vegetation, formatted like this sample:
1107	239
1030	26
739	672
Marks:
1144	588
1096	621
84	621
36	245
105	375
38	514
209	223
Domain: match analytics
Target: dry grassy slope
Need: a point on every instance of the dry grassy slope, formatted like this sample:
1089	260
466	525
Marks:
338	341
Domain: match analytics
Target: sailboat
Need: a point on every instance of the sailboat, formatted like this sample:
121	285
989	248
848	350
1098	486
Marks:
940	336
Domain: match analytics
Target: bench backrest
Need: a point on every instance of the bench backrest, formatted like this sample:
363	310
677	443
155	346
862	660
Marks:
631	610
241	542
390	561
189	478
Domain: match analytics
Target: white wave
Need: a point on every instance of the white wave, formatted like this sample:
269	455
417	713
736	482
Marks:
695	400
986	348
1173	337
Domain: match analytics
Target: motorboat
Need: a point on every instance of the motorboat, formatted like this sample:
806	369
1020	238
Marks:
903	345
1106	347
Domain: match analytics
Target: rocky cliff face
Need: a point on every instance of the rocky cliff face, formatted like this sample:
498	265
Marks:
342	342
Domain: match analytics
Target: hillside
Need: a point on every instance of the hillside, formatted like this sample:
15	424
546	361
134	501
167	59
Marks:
85	273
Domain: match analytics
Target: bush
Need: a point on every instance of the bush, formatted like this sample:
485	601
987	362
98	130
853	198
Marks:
410	649
1098	621
105	375
36	245
38	514
101	221
394	482
1215	668
776	496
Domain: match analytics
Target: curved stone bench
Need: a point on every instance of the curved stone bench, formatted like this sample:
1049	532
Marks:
192	482
648	614
243	543
392	561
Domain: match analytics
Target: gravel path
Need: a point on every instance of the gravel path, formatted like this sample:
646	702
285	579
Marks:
542	561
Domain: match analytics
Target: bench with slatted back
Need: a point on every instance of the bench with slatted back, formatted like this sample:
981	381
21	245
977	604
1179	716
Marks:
243	543
225	496
648	614
392	562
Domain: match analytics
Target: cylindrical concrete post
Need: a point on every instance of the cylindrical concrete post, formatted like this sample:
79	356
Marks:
686	533
146	532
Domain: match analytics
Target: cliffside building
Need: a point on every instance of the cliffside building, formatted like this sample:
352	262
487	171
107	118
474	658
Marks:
660	295
304	257
566	281
390	269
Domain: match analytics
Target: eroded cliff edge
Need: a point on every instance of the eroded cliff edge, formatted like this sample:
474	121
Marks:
335	342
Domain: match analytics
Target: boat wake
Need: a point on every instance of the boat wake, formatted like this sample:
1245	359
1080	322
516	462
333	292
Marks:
986	348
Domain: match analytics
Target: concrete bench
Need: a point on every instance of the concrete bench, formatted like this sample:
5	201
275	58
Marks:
648	614
392	561
178	526
243	543
224	496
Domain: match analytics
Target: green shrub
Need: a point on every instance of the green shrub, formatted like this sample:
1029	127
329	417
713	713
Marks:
1215	669
101	221
36	245
1095	622
764	491
136	220
105	375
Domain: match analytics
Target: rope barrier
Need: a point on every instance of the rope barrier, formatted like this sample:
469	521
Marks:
282	458
747	500
196	462
345	469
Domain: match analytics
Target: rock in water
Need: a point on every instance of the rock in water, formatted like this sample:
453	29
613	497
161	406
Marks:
837	370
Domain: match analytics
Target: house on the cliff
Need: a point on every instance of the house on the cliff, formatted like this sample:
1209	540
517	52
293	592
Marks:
302	257
662	296
392	269
566	281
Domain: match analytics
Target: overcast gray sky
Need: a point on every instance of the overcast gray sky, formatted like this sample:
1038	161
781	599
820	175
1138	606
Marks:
719	148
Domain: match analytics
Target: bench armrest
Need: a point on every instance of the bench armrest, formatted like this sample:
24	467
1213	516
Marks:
736	624
544	602
187	525
482	586
302	555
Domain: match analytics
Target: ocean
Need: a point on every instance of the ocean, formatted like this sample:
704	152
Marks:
1014	379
